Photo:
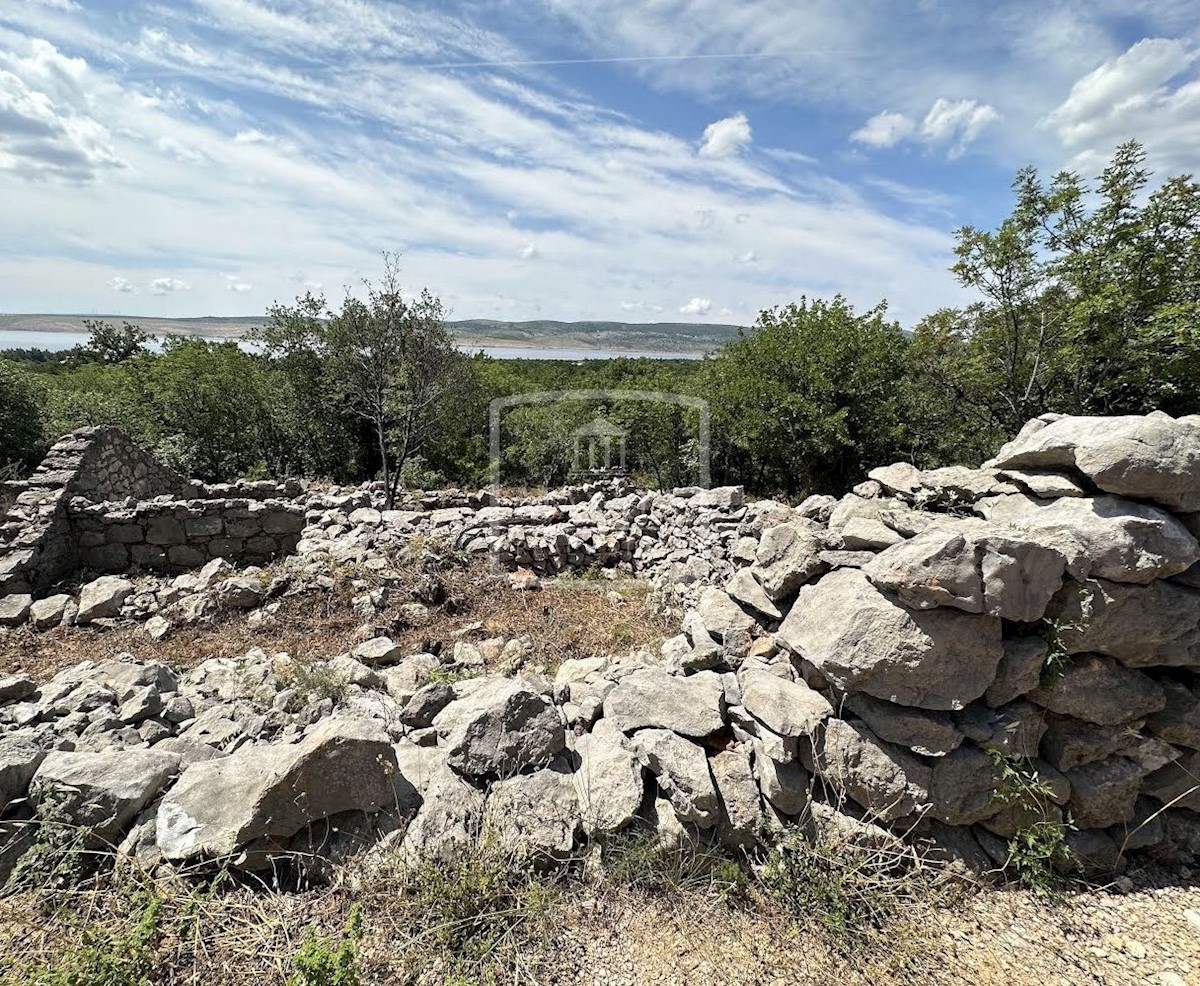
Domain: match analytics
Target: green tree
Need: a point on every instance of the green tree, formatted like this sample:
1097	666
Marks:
1091	295
809	398
22	441
394	365
109	344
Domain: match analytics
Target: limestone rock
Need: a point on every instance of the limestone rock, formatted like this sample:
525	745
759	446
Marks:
534	815
47	613
1104	793
1020	670
450	819
1102	537
1097	689
789	555
378	652
785	785
502	726
963	787
101	793
724	619
20	757
103	598
691	706
1141	626
1178	722
931	734
608	781
15	688
1152	457
743	588
683	775
1177	785
742	819
14	609
274	791
863	640
886	780
787	708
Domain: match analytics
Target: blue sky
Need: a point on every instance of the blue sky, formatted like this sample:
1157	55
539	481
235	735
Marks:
640	160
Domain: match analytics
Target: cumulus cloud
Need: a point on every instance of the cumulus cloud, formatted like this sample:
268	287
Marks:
46	126
884	129
236	284
121	286
528	252
726	137
167	285
697	306
749	257
1132	96
957	122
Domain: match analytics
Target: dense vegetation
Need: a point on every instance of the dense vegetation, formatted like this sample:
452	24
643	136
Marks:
1088	302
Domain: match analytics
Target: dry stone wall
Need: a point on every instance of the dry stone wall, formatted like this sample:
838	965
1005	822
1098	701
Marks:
955	658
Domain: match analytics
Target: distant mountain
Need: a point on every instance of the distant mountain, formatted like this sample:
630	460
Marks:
671	337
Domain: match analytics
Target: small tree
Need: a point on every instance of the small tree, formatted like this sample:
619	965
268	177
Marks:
108	344
395	366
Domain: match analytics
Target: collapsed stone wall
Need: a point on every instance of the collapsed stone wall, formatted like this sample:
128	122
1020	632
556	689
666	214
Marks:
950	657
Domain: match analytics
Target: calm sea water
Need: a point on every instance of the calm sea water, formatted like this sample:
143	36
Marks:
56	341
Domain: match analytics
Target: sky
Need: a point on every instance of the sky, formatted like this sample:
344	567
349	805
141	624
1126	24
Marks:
632	160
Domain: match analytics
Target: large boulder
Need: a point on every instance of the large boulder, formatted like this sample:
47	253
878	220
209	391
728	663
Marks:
100	793
450	817
973	566
1097	689
862	639
1152	457
1140	625
273	791
886	780
14	609
691	706
1103	537
499	728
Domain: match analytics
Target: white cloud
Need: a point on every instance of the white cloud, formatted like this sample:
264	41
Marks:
47	129
1132	96
885	129
528	252
726	137
697	306
167	285
749	257
121	286
957	122
236	284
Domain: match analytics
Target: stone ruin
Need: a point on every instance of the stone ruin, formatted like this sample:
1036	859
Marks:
907	663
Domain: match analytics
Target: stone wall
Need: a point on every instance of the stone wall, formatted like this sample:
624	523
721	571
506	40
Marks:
98	500
174	535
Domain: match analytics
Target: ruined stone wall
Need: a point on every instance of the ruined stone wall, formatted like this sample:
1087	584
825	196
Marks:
101	501
175	535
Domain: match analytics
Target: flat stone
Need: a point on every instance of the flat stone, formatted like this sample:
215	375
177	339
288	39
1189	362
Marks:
691	706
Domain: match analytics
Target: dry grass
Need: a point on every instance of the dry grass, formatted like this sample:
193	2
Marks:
572	617
481	920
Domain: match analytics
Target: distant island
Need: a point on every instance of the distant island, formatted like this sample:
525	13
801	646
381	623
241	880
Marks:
667	337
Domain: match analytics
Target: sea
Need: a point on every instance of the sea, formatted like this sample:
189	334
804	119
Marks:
57	341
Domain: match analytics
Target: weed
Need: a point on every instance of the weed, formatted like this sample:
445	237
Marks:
1037	846
450	675
314	682
637	859
326	961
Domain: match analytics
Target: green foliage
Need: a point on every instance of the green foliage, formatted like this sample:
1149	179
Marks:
108	344
808	399
1041	841
106	958
22	440
315	682
326	961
